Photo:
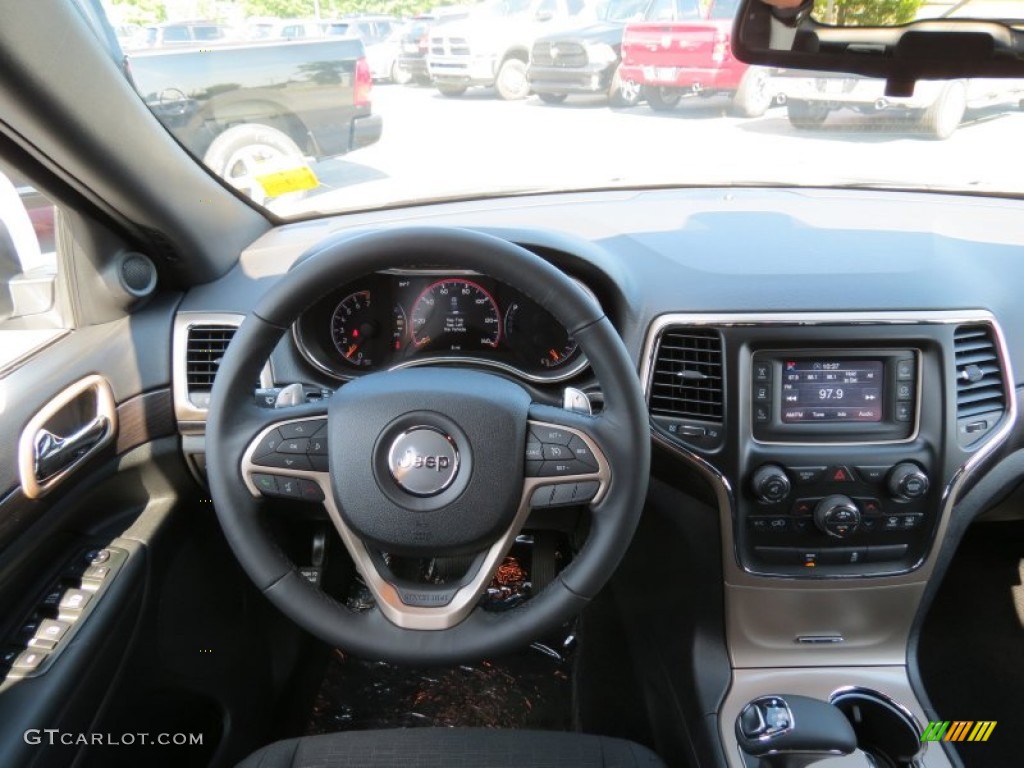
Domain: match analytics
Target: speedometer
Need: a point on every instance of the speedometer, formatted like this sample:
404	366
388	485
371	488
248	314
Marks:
454	315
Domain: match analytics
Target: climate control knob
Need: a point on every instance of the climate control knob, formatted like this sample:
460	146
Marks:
907	481
770	484
837	516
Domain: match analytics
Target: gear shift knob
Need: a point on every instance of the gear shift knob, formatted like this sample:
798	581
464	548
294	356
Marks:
789	731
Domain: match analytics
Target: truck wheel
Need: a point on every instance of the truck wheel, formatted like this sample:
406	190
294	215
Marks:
624	93
552	98
451	91
753	97
511	83
805	115
399	74
662	98
944	115
243	152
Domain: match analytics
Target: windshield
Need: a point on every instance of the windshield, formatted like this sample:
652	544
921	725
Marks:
305	116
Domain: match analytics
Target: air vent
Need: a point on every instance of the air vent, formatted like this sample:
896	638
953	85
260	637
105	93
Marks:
980	396
205	349
687	378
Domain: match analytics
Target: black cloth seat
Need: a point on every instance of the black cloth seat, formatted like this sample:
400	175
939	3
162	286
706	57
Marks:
453	748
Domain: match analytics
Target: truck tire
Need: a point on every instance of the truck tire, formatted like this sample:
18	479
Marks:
753	97
943	117
451	91
552	98
511	83
399	74
805	115
236	154
624	93
662	98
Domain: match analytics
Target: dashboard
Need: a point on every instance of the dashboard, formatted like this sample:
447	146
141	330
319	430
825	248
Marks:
403	317
831	376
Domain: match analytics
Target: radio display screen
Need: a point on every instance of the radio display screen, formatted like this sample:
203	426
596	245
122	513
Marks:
832	391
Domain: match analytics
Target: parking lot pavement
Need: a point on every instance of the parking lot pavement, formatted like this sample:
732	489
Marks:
434	146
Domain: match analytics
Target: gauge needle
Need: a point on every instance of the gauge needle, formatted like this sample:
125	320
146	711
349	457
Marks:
352	349
554	355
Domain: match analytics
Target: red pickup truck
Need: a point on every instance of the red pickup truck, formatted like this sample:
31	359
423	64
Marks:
682	48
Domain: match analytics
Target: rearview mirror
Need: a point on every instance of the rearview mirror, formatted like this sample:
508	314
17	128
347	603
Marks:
901	41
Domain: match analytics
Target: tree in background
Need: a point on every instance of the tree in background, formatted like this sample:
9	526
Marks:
140	11
866	13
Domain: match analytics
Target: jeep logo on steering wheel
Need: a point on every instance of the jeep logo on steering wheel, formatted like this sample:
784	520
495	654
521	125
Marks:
423	460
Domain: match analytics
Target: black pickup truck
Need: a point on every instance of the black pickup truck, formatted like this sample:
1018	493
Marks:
250	109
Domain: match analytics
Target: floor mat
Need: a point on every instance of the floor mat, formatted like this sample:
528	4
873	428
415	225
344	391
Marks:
531	689
972	644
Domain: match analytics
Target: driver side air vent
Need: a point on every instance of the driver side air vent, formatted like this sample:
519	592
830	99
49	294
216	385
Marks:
687	382
980	394
204	351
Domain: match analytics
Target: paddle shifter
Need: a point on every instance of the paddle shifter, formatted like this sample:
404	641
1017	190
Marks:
792	731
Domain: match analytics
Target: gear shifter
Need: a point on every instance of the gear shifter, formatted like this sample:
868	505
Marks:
792	731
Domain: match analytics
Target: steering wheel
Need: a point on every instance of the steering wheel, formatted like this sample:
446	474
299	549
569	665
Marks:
427	461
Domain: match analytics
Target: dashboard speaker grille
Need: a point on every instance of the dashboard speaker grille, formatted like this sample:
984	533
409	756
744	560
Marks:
979	376
687	378
206	345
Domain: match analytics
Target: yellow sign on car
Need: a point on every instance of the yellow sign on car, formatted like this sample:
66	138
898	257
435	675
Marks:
278	183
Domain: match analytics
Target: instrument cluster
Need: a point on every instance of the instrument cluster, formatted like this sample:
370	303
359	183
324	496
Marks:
398	318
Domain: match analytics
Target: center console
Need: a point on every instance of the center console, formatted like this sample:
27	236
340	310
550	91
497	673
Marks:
838	482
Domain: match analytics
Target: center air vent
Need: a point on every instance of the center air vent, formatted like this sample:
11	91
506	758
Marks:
205	349
980	394
686	382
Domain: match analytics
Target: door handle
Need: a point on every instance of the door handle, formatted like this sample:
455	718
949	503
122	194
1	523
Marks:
45	457
54	453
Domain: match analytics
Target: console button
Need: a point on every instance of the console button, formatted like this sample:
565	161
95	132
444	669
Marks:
911	521
762	393
843	556
904	390
805	506
904	411
807	475
758	523
905	370
74	601
872	473
891	522
838	474
778	555
778	524
28	660
869	506
762	371
883	553
762	413
868	524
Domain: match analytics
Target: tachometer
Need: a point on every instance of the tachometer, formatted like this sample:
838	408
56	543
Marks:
359	331
538	338
454	315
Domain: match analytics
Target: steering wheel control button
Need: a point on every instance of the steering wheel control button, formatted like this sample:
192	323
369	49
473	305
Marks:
562	468
534	451
423	461
552	435
582	452
554	452
285	461
298	445
318	463
298	429
267	484
533	468
268	444
318	446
